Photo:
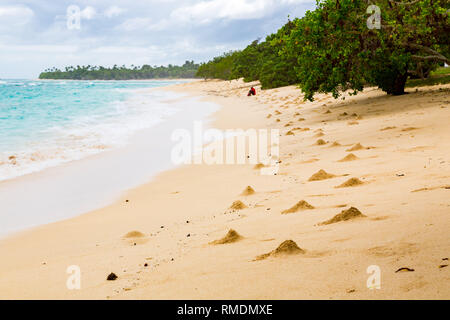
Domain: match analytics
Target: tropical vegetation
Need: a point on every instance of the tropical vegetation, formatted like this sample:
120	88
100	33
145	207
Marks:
346	45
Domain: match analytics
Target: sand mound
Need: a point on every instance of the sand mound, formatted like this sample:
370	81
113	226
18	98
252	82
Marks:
258	166
387	128
328	111
277	112
320	134
349	157
409	129
238	205
290	133
335	144
248	191
351	183
134	234
288	247
301	205
310	160
356	147
321	175
345	215
320	142
301	119
232	236
269	116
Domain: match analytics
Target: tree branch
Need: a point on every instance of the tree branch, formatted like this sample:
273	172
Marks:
434	55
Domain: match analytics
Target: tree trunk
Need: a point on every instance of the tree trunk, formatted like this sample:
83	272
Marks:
398	86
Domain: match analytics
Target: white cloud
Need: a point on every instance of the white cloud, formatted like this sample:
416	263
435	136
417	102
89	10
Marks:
114	11
145	32
88	13
135	24
207	11
15	15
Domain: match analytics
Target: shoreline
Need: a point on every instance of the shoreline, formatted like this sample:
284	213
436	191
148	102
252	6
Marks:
179	214
83	178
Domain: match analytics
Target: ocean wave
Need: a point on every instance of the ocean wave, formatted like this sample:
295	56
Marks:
86	135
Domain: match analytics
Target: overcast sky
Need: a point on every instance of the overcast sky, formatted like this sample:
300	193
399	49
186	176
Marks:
38	34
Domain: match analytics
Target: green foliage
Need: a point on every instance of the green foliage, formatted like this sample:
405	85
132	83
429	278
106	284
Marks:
441	71
258	61
332	49
188	70
218	68
337	51
439	76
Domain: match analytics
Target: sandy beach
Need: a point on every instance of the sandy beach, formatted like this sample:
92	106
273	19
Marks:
387	157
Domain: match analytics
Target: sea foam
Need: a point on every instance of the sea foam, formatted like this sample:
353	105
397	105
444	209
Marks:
47	123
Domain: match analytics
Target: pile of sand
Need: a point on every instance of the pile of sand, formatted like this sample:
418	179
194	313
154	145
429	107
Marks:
349	157
353	182
288	247
311	160
238	205
269	116
409	129
277	112
320	142
301	119
232	236
301	205
321	175
335	144
356	147
248	191
290	133
345	215
134	234
387	128
320	134
258	166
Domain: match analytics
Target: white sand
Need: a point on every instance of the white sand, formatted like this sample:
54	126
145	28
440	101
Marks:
402	228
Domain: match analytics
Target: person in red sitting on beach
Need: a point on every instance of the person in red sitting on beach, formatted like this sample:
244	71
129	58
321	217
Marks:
252	92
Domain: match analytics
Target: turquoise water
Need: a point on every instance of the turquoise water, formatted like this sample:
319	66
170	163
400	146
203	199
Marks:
45	123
